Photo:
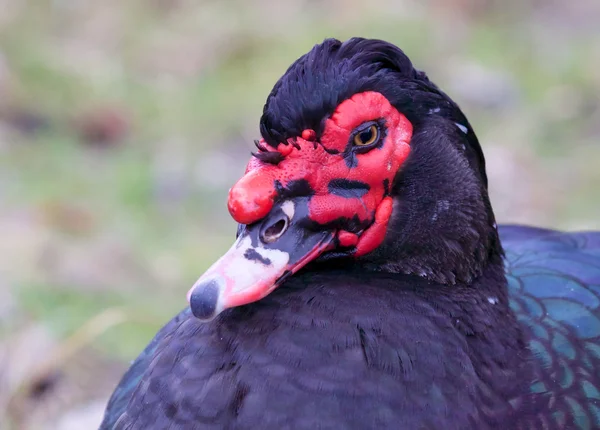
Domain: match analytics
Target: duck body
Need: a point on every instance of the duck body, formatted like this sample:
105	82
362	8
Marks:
314	354
369	286
343	349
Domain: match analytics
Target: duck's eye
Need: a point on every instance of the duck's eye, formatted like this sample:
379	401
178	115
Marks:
367	136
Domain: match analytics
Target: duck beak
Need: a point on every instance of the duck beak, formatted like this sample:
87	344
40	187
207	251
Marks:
263	256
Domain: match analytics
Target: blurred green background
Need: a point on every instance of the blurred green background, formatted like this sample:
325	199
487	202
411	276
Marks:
124	122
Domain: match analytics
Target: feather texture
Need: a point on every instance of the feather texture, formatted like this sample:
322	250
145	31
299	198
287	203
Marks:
316	354
554	289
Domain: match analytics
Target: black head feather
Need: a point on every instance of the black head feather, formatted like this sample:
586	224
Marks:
266	156
315	84
446	162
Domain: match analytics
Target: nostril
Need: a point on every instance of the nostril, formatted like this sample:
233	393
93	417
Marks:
275	230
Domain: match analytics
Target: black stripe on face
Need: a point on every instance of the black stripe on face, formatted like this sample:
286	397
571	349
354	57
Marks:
252	255
348	189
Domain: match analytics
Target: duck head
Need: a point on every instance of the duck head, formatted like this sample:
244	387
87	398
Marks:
363	162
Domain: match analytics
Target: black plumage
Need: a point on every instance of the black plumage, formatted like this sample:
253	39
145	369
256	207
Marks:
436	328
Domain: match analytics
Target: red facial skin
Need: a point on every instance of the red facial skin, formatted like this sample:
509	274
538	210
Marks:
253	196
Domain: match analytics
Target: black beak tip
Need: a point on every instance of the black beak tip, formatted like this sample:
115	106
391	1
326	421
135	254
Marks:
203	300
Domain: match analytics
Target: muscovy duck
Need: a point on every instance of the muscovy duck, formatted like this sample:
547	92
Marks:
369	285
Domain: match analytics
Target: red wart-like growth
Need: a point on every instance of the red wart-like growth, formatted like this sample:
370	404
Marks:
346	183
311	195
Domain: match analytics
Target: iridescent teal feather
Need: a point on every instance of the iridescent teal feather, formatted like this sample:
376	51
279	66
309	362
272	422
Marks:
554	284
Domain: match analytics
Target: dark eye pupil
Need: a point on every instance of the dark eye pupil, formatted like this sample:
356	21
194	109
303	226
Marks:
366	135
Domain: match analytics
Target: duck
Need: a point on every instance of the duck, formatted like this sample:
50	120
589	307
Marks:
369	285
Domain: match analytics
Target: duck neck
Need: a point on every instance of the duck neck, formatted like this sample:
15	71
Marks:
442	227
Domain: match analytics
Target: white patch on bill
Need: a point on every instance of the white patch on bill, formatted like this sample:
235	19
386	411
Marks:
289	209
246	273
235	273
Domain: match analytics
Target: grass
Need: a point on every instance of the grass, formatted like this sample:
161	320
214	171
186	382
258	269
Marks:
65	310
